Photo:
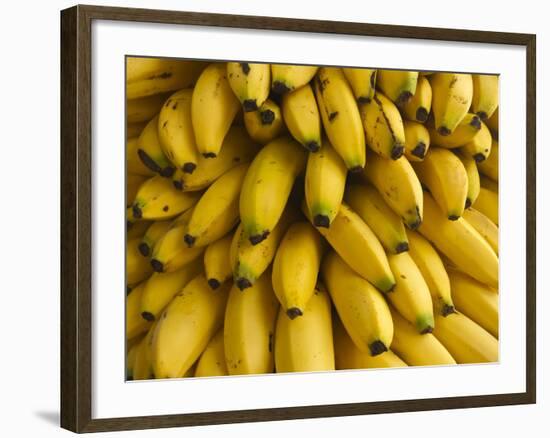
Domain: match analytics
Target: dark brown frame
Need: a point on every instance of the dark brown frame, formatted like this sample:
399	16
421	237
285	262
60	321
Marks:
76	168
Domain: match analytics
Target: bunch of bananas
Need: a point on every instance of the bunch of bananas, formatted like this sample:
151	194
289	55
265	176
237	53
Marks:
290	218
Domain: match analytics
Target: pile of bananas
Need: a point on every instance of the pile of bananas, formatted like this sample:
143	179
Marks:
290	218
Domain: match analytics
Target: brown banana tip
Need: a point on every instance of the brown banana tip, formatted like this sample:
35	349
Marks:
245	67
414	225
420	150
167	172
444	131
189	240
482	115
363	99
447	310
136	211
355	169
157	265
377	347
479	157
178	184
144	249
397	151
321	220
427	330
403	98
468	203
209	155
476	122
188	167
147	316
402	247
250	105
421	114
279	88
294	312
243	283
267	117
257	238
391	289
213	283
453	217
312	146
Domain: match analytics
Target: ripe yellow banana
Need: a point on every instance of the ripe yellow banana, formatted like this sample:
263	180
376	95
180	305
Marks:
160	288
483	226
306	343
451	99
479	147
137	266
135	324
464	132
133	183
489	167
131	358
324	184
301	116
475	300
213	108
485	97
134	129
237	148
145	108
267	186
285	78
487	203
411	296
383	127
212	360
362	82
249	328
140	68
372	208
362	309
473	177
433	271
417	349
175	131
492	124
488	183
142	368
417	140
185	327
150	151
460	242
155	231
340	116
265	124
217	264
250	83
465	340
348	356
399	186
398	85
217	211
295	268
134	165
418	108
444	175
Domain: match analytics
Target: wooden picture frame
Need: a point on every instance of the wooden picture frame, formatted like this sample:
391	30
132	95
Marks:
76	226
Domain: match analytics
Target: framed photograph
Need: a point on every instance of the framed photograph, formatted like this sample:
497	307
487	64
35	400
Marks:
268	219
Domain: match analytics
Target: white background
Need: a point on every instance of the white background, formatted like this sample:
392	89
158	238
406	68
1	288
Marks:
30	216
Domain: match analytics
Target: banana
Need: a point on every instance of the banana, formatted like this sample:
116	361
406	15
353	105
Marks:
484	226
135	324
372	208
485	97
249	261
137	266
492	123
301	117
451	99
460	242
295	268
325	181
285	78
249	328
175	131
362	309
158	199
145	108
155	231
185	327
133	183
362	82
217	265
267	186
464	132
418	108
433	271
340	116
150	151
417	349
306	343
213	108
487	204
417	140
217	211
265	124
473	177
160	288
250	83
348	356
212	360
135	228
479	148
134	129
142	369
488	183
398	85
444	175
383	127
237	148
475	300
489	167
130	360
465	340
411	296
398	184
159	76
134	165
